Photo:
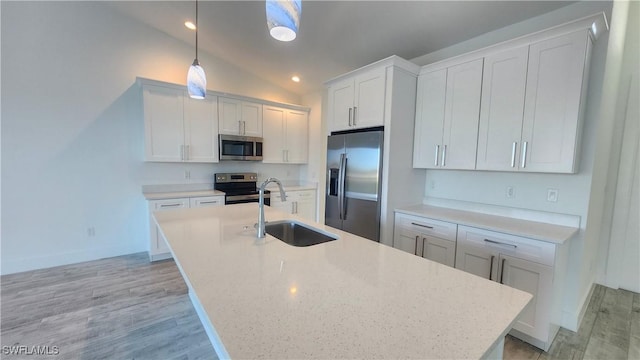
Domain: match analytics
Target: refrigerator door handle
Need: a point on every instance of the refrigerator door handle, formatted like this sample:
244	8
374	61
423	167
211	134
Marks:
341	185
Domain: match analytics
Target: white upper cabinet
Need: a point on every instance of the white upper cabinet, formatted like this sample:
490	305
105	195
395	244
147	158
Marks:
163	123
503	87
178	128
358	102
285	135
531	106
429	125
446	127
556	81
239	117
201	129
531	94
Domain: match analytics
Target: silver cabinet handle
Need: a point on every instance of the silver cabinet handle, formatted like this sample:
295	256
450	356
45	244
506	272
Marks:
239	127
354	115
296	207
170	205
424	226
524	155
284	157
415	249
187	153
437	153
293	210
350	109
502	271
209	202
513	154
444	156
287	155
181	152
500	243
491	267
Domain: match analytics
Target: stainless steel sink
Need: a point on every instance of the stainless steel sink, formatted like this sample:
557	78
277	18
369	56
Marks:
296	233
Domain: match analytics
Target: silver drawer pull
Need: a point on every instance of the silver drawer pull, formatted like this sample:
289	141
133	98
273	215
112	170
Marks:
209	202
169	205
500	243
424	226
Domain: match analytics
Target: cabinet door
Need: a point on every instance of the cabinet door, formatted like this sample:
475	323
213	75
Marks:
201	129
406	240
503	82
158	246
251	119
552	103
206	201
340	105
284	206
163	123
368	107
461	115
429	124
476	260
305	204
439	250
229	112
297	137
537	280
273	150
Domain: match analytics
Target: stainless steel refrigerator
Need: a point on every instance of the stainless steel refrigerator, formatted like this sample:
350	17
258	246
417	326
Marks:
354	168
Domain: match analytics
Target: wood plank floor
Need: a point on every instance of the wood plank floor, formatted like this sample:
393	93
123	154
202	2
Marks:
128	308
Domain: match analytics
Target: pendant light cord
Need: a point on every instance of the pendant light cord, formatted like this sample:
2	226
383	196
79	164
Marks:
196	29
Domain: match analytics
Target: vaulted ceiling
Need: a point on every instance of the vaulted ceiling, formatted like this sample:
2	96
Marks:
334	36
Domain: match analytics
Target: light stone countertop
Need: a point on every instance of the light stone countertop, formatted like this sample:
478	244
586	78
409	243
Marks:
292	187
556	234
348	298
180	194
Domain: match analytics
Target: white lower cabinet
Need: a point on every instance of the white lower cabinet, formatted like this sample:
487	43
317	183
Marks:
299	202
158	249
522	263
431	239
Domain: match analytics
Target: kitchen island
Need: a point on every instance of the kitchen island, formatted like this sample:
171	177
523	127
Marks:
348	298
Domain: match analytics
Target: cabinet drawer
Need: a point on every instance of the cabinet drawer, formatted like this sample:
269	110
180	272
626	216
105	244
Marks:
523	248
437	228
168	204
206	201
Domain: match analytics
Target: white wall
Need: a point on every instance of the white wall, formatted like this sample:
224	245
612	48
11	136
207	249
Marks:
618	219
531	189
72	142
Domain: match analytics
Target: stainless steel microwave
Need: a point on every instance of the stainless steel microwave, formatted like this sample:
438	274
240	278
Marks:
242	148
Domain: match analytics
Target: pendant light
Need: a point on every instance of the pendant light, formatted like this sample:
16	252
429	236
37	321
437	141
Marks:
196	78
283	18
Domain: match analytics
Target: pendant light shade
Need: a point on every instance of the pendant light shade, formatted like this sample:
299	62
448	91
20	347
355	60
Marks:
196	78
283	18
196	81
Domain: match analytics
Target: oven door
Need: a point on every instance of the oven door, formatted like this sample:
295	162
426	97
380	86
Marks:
242	199
241	148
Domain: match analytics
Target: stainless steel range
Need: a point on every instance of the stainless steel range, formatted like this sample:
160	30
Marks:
240	188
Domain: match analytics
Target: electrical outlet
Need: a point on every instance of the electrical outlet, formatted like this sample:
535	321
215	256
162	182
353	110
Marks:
91	231
187	174
552	195
432	185
511	192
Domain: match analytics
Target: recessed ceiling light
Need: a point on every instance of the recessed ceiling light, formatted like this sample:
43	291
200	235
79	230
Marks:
190	25
295	78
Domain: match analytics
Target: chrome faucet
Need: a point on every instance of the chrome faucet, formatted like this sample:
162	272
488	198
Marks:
261	223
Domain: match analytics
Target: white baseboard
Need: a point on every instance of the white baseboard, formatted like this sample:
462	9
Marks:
16	265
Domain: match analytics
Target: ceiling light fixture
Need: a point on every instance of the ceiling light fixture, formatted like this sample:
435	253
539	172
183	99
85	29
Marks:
283	18
190	25
295	78
196	78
